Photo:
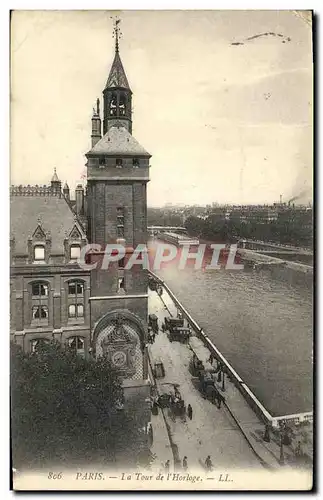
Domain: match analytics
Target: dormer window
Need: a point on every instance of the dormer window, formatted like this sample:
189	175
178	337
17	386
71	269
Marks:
75	252
39	253
135	163
119	163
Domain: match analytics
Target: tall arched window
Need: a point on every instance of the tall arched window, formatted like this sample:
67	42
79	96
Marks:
113	105
75	300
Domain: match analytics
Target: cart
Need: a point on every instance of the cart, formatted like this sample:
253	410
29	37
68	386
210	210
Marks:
180	335
197	366
159	370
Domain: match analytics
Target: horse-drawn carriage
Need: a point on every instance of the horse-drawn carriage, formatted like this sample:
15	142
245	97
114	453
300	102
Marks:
176	330
209	389
172	399
196	366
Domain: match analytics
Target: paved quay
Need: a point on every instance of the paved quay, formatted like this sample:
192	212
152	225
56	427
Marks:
231	435
211	431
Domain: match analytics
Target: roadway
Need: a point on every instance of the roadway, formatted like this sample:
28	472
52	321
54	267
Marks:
211	431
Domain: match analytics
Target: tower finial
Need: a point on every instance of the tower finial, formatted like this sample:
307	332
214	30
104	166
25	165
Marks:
116	33
98	106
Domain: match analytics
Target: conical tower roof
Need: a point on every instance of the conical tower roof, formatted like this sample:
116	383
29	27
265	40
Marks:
117	76
55	177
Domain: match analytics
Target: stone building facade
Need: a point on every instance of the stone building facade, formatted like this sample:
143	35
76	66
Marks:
96	311
49	292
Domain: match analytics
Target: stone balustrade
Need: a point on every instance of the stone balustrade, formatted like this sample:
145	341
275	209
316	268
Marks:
34	191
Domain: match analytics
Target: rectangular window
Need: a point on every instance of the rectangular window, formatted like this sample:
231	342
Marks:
102	162
121	284
75	252
80	310
40	312
71	311
75	288
39	253
76	311
119	163
135	163
120	222
39	289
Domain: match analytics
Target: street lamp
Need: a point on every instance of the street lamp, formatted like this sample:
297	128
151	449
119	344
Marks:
281	457
267	435
223	377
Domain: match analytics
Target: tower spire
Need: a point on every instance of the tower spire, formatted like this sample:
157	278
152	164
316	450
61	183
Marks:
117	94
116	33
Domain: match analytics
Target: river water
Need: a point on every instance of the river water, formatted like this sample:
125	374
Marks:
261	323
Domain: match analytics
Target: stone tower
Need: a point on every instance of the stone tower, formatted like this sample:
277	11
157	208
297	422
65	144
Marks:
117	175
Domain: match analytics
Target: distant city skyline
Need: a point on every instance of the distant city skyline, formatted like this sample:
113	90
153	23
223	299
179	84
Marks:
231	123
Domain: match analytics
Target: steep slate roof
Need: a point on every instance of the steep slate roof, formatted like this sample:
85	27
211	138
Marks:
117	76
54	213
118	141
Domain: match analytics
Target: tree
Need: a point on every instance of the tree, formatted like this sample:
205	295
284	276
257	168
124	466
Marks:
68	409
194	225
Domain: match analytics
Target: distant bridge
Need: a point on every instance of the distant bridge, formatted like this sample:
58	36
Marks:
165	229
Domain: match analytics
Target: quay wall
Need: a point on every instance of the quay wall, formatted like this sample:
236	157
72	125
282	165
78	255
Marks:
289	271
252	400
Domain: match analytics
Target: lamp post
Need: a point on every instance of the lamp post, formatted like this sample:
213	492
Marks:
267	435
281	456
223	377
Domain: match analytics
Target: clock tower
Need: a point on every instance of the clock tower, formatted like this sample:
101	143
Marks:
117	177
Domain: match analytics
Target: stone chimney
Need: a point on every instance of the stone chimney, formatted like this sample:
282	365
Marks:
79	199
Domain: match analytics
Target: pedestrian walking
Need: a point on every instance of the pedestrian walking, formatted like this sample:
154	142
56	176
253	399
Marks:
190	412
298	450
208	463
185	463
166	466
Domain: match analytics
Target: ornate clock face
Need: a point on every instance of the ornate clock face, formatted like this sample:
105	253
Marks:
119	359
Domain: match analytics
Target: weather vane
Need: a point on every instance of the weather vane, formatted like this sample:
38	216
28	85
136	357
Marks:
116	32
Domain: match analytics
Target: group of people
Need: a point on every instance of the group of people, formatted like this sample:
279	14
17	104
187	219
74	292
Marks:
207	464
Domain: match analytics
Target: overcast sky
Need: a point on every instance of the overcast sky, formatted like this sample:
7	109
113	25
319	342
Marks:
223	123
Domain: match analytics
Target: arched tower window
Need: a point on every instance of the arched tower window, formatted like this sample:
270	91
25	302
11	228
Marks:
122	105
113	105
